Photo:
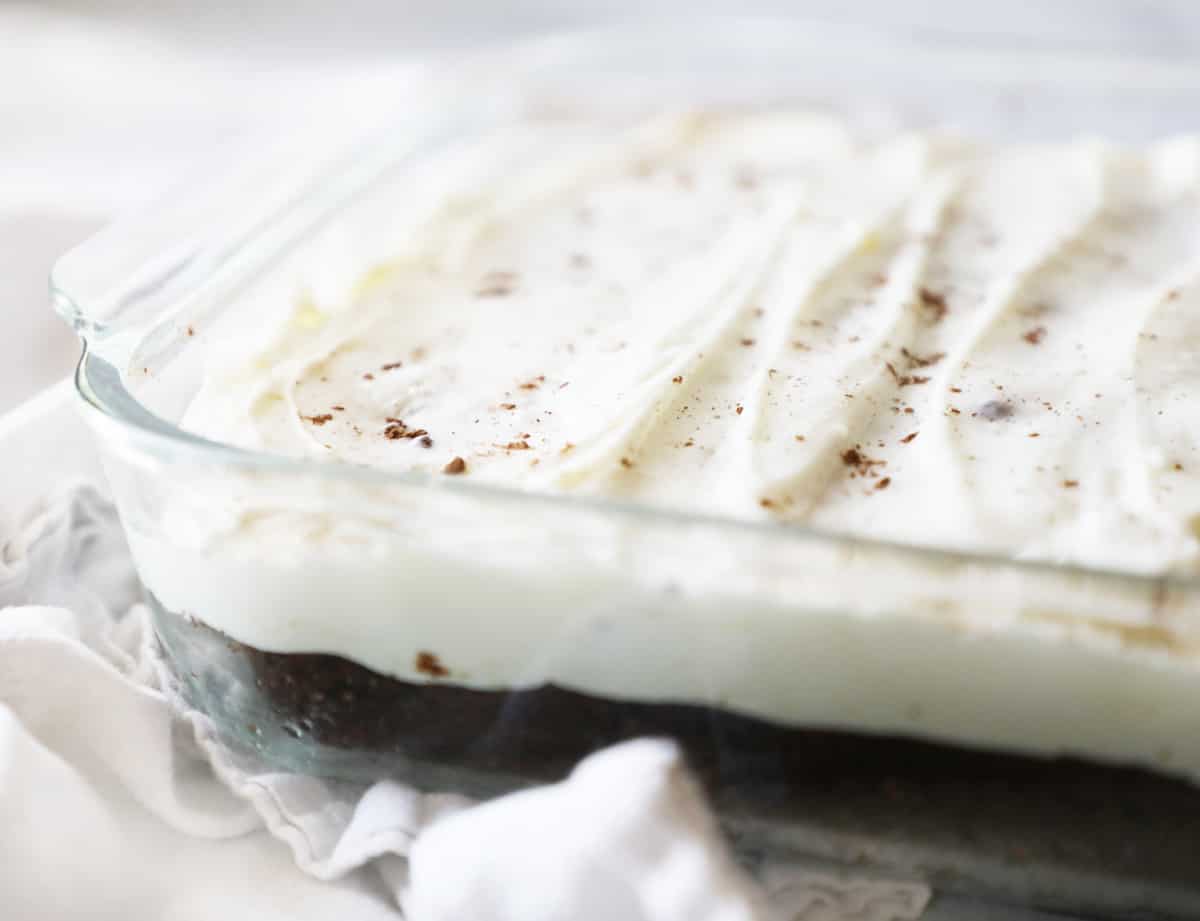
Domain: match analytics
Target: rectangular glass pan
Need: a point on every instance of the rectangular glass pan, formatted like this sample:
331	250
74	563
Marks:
597	607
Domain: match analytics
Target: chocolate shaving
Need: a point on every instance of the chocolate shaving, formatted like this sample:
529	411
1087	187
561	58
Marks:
426	441
921	361
534	383
748	342
1070	484
457	465
338	407
396	429
905	380
509	406
626	463
1035	335
392	366
317	420
368	376
907	439
883	483
739	409
935	303
427	664
677	379
859	462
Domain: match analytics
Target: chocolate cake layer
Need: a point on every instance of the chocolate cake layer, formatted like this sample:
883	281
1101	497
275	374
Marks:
1116	842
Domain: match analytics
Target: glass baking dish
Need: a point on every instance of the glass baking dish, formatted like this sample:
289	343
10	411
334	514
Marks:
536	629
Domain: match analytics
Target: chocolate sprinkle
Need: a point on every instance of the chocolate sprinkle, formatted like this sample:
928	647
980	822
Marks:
935	303
427	664
1035	335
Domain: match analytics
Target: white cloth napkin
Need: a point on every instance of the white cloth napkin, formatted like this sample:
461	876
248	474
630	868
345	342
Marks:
115	803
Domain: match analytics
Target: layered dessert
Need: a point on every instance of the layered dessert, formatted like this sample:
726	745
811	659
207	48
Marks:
739	426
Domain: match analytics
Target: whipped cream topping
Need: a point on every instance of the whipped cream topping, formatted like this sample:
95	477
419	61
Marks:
760	315
764	317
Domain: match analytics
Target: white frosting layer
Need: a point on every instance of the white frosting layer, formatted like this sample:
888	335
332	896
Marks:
753	316
713	311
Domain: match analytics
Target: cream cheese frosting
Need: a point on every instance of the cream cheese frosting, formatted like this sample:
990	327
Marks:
762	318
759	315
